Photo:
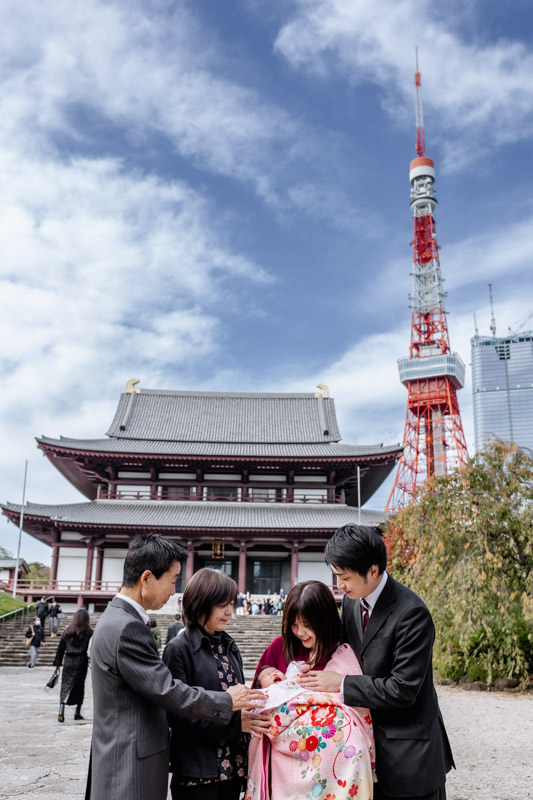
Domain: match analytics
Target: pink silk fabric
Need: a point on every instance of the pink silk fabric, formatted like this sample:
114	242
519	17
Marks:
317	747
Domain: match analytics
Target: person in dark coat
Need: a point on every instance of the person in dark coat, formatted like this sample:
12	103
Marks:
156	633
208	761
174	629
392	632
55	610
42	609
72	654
35	632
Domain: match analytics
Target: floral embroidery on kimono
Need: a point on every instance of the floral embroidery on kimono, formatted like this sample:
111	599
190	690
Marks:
317	748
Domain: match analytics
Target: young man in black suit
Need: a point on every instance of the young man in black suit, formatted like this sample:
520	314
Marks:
392	633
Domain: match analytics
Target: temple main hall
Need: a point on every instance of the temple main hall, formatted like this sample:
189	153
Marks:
253	484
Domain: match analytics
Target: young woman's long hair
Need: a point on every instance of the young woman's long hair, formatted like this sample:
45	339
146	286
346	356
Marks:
314	603
79	624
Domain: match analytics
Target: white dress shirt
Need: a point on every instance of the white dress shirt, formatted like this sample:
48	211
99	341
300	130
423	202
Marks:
137	606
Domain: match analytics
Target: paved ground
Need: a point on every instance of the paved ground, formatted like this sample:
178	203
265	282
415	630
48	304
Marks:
41	759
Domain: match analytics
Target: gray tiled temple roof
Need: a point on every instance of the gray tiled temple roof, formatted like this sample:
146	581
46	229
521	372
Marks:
214	516
202	448
170	416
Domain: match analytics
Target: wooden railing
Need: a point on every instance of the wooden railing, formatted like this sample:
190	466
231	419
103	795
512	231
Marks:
212	497
50	587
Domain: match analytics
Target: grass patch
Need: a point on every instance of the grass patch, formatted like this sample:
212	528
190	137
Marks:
9	603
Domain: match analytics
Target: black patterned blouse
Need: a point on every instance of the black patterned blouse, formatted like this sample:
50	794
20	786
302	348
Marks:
231	757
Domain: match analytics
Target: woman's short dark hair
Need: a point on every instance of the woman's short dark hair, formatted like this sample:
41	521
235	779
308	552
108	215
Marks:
153	552
206	589
314	603
357	548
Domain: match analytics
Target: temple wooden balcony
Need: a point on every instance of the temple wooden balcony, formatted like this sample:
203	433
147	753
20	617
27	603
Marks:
215	497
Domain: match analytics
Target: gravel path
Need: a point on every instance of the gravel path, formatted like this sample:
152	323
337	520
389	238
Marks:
491	734
41	759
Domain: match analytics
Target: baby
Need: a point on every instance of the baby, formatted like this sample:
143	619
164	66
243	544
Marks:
278	687
268	676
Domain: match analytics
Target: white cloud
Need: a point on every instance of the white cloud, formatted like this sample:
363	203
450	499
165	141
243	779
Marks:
482	92
105	276
137	71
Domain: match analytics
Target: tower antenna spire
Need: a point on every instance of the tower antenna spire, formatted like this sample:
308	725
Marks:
420	134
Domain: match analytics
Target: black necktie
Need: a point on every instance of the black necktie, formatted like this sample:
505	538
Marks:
365	608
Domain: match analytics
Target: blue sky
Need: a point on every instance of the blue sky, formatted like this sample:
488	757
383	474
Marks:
214	195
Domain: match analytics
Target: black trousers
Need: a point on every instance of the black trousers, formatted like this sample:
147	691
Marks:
440	794
218	790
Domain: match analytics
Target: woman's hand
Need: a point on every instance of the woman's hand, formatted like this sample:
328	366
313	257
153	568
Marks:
244	698
320	680
256	724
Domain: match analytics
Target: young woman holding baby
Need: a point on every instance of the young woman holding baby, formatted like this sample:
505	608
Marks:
316	745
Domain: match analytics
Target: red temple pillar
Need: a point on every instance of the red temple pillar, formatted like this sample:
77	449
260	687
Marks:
241	582
189	569
89	565
99	567
294	564
55	562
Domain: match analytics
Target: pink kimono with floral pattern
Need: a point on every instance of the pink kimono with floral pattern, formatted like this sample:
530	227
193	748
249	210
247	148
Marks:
317	747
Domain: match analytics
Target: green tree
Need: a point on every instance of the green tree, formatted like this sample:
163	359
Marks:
466	546
38	573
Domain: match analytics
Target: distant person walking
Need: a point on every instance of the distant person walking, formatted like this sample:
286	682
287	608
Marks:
36	632
175	628
156	633
54	612
42	609
72	654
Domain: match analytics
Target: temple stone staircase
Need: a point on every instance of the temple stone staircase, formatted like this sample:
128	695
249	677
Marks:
252	634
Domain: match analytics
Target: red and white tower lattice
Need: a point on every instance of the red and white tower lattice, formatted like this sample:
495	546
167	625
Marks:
434	442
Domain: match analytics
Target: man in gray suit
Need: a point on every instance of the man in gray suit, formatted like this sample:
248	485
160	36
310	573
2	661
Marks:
391	632
133	689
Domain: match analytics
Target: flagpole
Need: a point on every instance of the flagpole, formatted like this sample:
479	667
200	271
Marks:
21	520
359	491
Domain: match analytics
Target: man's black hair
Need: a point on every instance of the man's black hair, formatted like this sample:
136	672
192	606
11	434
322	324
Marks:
356	548
153	552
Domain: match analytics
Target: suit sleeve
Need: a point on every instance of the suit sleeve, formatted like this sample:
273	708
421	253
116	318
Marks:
194	729
141	667
408	657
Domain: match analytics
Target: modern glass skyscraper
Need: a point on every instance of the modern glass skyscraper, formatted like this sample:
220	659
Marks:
502	384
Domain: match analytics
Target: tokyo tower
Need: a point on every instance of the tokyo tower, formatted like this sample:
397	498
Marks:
434	442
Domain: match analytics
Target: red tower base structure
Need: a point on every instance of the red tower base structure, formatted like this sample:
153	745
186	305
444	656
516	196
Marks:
434	442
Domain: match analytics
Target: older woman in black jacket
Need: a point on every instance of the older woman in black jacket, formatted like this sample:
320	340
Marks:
209	761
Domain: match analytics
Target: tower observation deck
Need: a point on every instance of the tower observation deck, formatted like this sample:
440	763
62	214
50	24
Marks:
434	442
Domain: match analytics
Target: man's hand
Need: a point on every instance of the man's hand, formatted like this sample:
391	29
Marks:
256	724
244	698
320	680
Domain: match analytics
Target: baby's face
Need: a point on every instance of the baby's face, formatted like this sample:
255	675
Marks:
269	676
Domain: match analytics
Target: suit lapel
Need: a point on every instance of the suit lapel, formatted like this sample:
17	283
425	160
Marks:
380	613
118	602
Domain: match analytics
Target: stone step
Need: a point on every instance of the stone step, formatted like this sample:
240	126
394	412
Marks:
252	634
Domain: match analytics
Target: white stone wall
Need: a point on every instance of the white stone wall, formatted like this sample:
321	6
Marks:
312	567
113	565
71	564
